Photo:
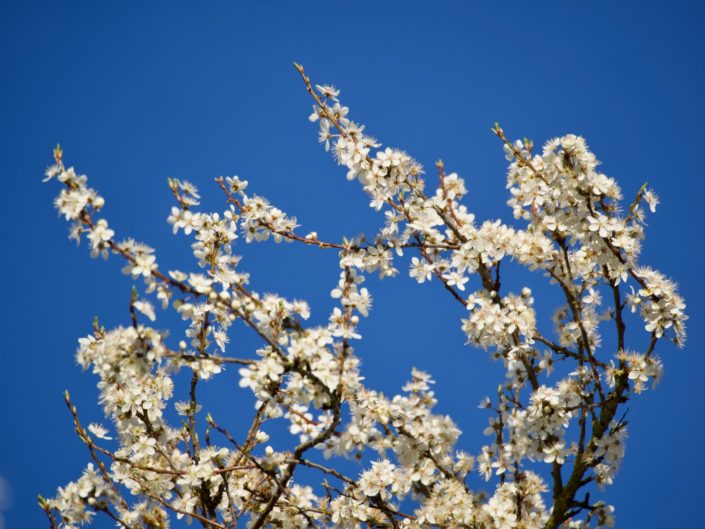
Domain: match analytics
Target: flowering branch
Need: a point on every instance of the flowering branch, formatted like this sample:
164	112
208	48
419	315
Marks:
569	229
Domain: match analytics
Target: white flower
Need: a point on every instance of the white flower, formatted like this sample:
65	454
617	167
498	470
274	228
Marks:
99	431
99	236
651	199
146	308
420	270
200	283
376	480
144	265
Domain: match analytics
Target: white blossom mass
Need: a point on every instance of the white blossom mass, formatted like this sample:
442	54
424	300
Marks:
555	436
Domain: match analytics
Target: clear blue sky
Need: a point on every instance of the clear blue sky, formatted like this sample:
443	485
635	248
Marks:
140	91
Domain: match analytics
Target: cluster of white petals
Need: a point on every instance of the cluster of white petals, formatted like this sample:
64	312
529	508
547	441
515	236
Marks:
553	431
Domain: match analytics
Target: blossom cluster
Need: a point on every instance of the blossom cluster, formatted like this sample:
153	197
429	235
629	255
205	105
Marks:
553	432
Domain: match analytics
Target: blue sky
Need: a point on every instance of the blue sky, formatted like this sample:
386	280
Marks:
139	92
